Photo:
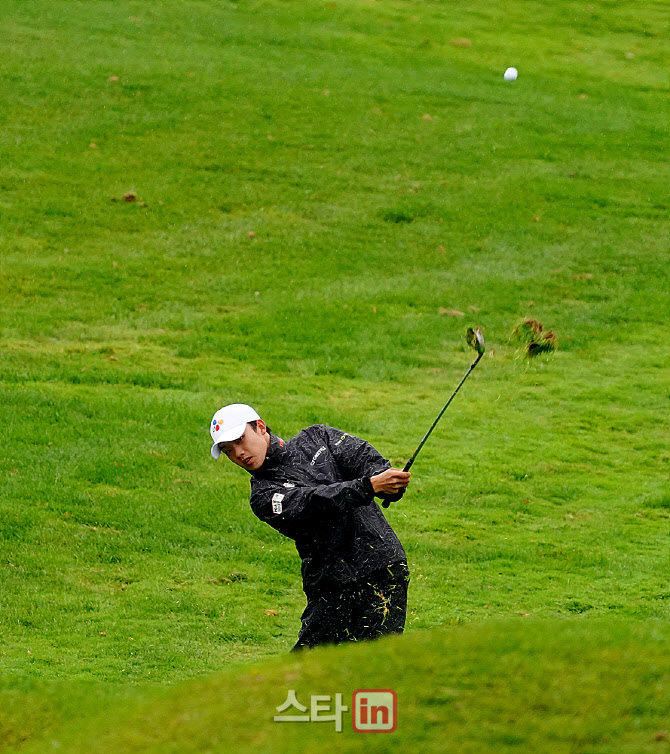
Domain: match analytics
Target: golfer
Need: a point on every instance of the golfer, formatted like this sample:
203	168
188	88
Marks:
318	488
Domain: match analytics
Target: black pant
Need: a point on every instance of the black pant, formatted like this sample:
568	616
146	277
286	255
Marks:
366	609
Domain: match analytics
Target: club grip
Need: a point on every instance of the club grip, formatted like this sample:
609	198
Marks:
392	499
386	502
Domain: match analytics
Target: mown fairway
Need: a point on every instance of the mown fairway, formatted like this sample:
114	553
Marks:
301	206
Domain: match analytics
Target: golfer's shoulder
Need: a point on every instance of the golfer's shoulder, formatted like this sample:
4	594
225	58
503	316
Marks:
313	433
322	434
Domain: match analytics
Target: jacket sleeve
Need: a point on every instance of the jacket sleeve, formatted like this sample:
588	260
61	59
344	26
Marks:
357	458
354	457
293	510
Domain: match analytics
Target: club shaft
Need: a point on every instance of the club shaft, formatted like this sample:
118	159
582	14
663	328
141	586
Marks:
409	463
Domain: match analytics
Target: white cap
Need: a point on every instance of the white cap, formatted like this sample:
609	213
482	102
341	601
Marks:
229	423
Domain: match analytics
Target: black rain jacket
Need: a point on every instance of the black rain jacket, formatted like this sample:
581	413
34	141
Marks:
315	488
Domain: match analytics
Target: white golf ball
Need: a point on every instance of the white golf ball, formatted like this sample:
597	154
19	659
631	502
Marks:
510	74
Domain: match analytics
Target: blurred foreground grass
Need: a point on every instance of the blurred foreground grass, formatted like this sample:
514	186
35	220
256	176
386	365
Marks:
551	686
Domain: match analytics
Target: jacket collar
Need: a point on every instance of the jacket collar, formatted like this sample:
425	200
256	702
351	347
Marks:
276	452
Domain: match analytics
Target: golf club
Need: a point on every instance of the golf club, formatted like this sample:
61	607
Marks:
475	339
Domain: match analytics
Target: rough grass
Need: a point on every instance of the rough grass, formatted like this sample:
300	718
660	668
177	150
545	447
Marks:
325	195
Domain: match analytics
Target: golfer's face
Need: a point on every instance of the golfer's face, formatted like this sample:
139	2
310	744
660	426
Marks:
247	451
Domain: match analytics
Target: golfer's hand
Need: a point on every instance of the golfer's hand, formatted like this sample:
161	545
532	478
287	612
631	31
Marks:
390	482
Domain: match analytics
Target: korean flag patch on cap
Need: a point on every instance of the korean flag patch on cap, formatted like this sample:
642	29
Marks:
276	502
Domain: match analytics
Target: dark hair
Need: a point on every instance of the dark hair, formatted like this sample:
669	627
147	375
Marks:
254	426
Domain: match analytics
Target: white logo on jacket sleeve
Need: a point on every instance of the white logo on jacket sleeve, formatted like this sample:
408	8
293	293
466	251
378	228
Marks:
321	450
276	502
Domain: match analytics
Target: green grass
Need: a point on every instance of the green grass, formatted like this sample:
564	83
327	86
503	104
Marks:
319	184
559	686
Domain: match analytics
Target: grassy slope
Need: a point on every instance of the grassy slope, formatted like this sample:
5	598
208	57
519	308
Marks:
125	325
498	687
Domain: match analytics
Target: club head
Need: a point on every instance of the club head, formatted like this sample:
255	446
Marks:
475	339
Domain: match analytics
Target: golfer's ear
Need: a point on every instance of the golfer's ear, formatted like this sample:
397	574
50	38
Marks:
262	428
